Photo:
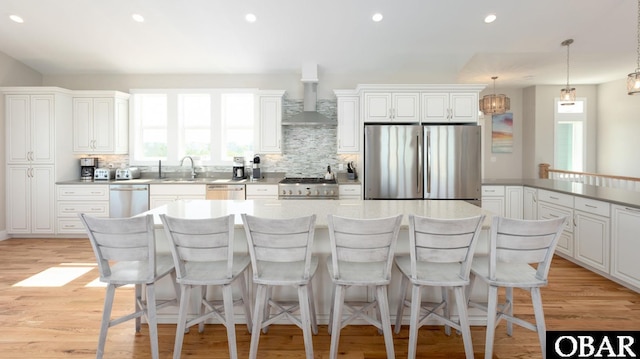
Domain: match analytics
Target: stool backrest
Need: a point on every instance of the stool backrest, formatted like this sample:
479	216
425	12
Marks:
443	241
200	240
122	239
363	240
524	241
280	240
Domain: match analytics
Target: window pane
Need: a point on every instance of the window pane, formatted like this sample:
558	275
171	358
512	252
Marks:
238	143
152	110
195	110
198	144
154	144
577	107
237	125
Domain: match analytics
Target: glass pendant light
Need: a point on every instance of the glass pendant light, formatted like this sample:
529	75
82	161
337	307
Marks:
633	79
567	94
495	104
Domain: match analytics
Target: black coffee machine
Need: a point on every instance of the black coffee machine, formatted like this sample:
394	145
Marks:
238	168
88	166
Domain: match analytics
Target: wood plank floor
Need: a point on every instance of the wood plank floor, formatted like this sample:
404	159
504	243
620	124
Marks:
63	321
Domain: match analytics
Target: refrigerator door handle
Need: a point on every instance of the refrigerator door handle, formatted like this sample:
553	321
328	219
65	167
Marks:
419	164
428	162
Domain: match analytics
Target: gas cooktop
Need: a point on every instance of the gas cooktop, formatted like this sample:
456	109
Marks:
307	180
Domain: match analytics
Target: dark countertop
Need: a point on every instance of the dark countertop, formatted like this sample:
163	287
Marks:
607	194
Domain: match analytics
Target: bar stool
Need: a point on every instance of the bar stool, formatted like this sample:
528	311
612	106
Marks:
203	255
361	255
514	245
131	243
440	255
281	255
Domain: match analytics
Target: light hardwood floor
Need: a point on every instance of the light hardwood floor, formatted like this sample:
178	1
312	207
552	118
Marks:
63	321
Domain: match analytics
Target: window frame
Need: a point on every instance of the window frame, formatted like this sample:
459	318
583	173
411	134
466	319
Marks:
570	117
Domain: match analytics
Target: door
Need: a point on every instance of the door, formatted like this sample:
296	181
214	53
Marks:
452	162
393	162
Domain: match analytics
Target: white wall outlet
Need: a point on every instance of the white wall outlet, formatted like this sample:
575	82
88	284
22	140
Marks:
340	167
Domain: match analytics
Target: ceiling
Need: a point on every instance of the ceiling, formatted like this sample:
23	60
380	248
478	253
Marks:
443	41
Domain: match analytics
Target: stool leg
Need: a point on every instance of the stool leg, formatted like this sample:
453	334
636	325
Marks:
336	323
305	319
333	295
182	320
203	308
138	300
246	302
509	309
464	321
312	308
227	299
385	318
447	308
536	298
153	320
491	321
261	297
416	305
401	303
106	318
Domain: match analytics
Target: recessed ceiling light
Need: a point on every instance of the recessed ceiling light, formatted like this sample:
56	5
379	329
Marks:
137	18
16	18
377	17
250	18
490	18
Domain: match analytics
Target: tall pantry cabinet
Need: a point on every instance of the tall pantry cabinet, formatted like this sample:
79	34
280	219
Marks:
38	153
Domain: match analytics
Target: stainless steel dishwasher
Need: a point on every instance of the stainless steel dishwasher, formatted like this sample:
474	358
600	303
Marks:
225	191
127	200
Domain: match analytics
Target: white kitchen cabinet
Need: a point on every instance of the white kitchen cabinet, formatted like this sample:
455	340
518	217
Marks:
493	199
261	191
100	123
350	191
449	107
30	126
552	205
71	200
530	203
513	202
348	122
591	233
392	106
30	199
269	122
161	194
625	246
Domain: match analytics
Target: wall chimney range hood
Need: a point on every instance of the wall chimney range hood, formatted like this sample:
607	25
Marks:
310	116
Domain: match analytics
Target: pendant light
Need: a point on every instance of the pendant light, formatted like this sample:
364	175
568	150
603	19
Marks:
495	104
633	79
567	94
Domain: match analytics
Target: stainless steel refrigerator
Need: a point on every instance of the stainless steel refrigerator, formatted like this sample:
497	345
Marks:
416	162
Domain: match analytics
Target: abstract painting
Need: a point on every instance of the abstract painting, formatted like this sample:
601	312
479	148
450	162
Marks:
502	133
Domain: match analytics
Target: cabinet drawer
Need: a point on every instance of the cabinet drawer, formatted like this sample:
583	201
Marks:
262	190
492	191
70	225
549	211
555	198
71	209
592	206
349	190
83	193
177	189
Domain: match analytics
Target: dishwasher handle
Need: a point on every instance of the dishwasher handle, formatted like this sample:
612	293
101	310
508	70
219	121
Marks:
224	188
128	189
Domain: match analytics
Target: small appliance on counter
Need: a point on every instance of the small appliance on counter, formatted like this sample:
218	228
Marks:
104	174
127	173
255	170
238	168
88	166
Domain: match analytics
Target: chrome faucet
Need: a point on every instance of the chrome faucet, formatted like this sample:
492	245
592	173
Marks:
193	169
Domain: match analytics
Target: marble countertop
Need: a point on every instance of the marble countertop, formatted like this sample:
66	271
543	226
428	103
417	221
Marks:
611	195
321	208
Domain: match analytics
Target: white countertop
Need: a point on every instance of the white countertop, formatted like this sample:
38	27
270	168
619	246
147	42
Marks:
322	208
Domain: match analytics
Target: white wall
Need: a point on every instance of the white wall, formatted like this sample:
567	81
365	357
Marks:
618	130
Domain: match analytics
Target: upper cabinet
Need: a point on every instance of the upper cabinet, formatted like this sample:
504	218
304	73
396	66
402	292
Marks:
391	106
30	123
450	107
348	121
268	134
100	122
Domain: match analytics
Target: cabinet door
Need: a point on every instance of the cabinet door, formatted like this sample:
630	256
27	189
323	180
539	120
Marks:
350	191
18	118
530	203
435	107
464	107
42	200
591	240
513	203
552	211
625	245
30	195
42	129
377	107
269	124
348	124
83	125
30	129
406	107
18	199
103	125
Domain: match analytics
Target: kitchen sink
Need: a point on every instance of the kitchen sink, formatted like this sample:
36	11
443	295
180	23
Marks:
201	180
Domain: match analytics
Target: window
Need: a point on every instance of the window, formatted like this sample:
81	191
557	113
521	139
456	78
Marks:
211	126
570	135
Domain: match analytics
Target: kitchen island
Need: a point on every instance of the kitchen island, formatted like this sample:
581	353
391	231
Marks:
295	208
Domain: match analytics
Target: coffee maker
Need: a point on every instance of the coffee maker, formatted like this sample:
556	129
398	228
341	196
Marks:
88	166
255	170
238	168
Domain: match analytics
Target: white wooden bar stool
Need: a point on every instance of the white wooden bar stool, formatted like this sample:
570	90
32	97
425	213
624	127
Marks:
440	255
281	255
361	255
515	245
131	244
203	255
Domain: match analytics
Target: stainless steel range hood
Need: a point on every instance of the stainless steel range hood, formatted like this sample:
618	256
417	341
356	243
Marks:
310	116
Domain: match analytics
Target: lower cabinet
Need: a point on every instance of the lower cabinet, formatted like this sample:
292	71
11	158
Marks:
591	233
529	203
553	205
30	199
513	202
261	191
350	191
625	244
493	199
72	200
161	194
